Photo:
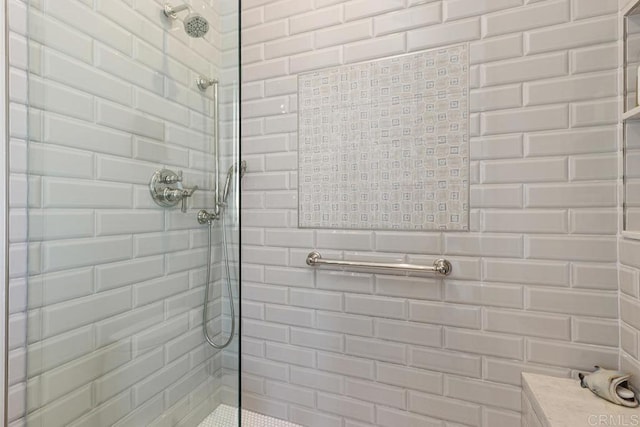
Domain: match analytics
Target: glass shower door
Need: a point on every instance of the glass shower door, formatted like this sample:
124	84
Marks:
133	131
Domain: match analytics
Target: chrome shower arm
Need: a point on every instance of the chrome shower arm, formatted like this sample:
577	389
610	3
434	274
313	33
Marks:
172	11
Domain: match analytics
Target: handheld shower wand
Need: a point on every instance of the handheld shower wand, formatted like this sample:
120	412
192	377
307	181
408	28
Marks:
205	217
227	182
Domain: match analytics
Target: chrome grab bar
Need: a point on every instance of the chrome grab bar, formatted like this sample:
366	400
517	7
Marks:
441	267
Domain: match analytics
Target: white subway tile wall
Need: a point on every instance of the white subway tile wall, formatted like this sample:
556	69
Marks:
632	142
534	286
629	258
108	330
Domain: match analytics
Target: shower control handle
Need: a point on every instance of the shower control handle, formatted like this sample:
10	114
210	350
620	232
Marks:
186	193
167	190
175	195
172	194
172	178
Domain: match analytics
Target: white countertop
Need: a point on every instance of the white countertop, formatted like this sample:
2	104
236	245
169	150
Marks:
561	402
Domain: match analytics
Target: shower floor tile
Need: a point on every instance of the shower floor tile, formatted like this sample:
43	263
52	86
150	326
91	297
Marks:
226	416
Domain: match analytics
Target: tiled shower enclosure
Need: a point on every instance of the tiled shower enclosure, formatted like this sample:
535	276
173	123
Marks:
515	178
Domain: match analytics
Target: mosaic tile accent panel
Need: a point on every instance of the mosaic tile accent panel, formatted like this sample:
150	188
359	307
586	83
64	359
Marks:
385	144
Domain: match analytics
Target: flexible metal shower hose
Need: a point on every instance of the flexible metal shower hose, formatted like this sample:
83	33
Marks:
225	253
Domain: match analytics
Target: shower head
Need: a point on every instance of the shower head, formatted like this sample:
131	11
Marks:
195	25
